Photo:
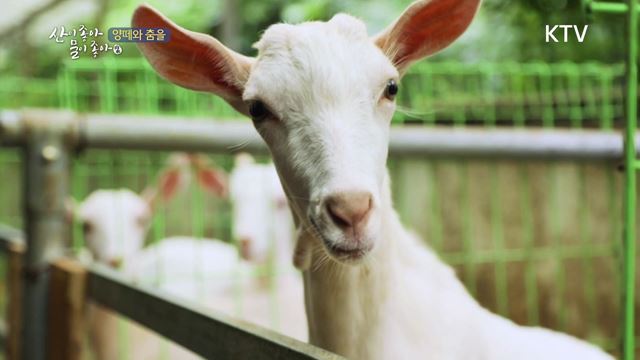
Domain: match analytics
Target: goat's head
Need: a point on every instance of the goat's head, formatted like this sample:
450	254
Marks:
259	209
321	94
115	222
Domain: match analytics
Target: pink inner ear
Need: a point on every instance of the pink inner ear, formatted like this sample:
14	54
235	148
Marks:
169	184
426	28
213	181
192	60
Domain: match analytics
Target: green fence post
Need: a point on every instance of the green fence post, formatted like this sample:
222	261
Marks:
630	181
631	163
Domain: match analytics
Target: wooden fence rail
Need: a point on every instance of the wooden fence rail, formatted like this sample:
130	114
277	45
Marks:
72	285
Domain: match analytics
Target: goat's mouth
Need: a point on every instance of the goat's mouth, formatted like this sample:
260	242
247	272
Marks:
347	254
340	250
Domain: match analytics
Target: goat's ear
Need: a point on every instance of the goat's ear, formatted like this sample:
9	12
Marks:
214	181
170	182
209	177
426	27
193	60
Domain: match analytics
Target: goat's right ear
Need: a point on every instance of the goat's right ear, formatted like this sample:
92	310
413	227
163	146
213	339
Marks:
193	60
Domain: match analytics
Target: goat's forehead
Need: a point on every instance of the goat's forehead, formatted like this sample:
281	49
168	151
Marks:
107	202
338	52
340	28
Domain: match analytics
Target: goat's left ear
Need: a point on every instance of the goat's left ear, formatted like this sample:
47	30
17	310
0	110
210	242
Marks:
193	60
426	27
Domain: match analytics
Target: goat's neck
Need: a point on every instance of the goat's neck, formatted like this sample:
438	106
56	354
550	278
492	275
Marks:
343	300
353	310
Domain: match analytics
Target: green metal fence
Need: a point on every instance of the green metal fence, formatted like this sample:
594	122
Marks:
533	94
535	241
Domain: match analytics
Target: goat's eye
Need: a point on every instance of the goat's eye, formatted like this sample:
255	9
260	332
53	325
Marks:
391	90
87	227
258	110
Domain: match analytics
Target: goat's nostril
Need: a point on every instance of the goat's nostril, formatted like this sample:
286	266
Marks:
349	209
338	217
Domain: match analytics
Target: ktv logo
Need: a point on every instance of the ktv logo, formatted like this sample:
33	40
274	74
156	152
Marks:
550	33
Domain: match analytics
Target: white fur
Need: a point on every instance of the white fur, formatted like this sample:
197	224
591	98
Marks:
189	268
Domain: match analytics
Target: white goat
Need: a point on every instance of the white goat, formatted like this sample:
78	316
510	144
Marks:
206	271
321	94
263	228
262	223
115	223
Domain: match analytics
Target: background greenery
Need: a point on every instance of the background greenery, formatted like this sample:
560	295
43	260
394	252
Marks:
506	30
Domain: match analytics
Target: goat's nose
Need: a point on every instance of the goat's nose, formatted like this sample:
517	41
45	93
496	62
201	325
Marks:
349	209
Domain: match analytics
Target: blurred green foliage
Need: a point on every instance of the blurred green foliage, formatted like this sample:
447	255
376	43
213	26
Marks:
505	30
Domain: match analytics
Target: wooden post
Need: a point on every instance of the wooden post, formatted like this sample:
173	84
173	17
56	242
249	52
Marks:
15	251
66	319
